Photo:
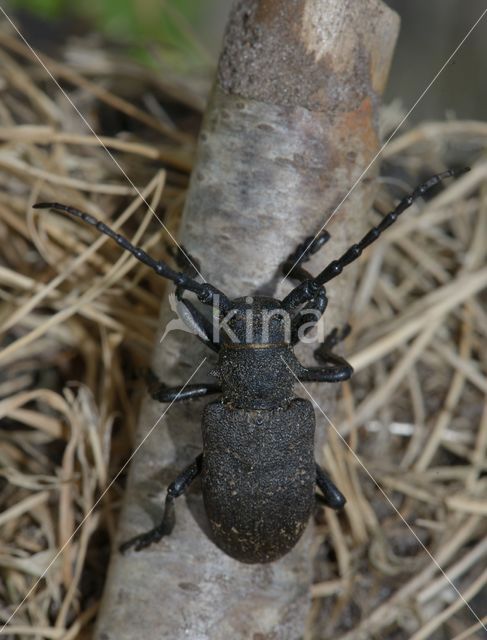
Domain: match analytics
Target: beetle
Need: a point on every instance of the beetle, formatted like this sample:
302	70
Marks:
258	469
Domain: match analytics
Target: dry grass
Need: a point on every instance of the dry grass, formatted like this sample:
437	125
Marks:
415	416
78	319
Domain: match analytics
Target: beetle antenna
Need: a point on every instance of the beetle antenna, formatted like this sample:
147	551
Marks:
308	288
336	266
206	293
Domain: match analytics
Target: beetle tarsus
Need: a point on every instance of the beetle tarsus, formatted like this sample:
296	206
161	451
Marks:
335	336
292	267
332	497
162	393
165	527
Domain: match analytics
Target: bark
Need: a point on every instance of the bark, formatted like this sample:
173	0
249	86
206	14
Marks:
290	125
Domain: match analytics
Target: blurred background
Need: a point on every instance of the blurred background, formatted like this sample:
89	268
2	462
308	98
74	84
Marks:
188	34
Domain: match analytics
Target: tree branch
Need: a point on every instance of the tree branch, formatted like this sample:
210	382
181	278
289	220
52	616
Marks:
290	126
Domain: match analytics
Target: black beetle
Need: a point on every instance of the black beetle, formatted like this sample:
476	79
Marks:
258	469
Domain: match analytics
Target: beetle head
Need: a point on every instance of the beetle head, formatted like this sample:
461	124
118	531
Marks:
257	320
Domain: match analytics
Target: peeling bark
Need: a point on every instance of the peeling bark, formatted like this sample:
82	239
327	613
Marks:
290	126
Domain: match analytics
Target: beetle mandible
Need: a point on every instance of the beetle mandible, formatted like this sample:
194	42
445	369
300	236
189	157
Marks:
257	466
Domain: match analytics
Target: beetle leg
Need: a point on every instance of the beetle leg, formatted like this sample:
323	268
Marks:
184	259
203	329
165	527
309	315
190	391
338	370
301	294
332	497
292	268
332	339
162	393
195	320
